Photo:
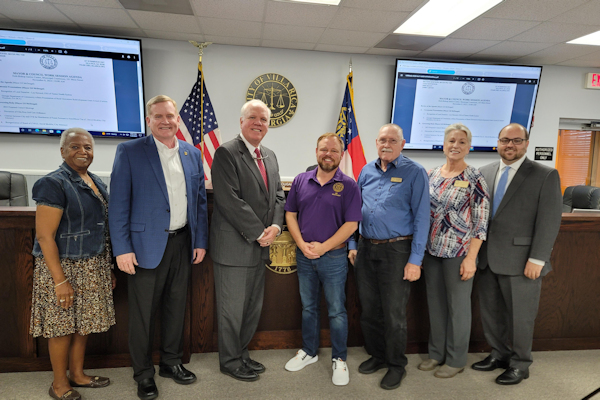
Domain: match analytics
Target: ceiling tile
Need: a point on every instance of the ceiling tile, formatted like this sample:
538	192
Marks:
235	41
492	29
50	26
586	14
292	33
436	55
532	10
558	53
247	10
341	49
230	27
287	45
174	35
368	20
32	11
300	14
392	52
93	3
165	22
554	32
351	38
6	23
490	58
595	56
113	31
580	63
462	45
385	5
97	16
514	49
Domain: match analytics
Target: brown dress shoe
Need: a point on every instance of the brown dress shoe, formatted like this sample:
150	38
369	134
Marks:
95	382
69	395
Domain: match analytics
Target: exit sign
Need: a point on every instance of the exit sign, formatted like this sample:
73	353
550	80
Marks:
592	81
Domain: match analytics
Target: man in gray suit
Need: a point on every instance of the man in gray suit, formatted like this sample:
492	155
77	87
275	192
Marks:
247	216
524	223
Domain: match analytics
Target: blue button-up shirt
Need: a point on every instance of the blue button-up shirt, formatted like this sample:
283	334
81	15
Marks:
395	203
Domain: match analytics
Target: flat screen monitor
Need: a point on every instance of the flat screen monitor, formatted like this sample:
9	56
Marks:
429	96
51	82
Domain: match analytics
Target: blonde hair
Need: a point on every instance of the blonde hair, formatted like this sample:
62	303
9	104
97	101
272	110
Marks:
161	98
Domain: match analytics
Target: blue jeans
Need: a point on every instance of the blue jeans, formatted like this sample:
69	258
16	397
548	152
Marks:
330	272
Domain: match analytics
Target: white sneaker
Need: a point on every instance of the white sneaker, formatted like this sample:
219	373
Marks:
300	360
341	375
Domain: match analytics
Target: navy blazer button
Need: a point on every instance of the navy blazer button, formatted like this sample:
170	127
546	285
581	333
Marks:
166	230
168	210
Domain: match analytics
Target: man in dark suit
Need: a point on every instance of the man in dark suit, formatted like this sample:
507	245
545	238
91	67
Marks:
524	223
159	227
247	216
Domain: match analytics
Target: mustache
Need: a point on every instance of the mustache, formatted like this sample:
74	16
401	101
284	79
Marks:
386	150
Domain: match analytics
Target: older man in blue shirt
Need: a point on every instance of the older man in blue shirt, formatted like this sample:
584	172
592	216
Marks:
393	235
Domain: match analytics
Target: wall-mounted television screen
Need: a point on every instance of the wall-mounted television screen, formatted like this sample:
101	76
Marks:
429	96
51	82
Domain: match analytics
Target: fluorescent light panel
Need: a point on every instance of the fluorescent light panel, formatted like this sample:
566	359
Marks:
442	17
326	2
592	38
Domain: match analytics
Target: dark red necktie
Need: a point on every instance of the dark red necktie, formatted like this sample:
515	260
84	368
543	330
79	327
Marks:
261	167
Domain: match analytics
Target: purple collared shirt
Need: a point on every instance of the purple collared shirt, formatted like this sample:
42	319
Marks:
322	210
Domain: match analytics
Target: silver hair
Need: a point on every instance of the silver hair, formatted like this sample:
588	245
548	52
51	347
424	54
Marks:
396	128
65	135
254	103
458	127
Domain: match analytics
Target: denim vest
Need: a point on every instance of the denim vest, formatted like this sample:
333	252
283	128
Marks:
80	233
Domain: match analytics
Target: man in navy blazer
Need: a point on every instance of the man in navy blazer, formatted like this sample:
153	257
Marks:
159	227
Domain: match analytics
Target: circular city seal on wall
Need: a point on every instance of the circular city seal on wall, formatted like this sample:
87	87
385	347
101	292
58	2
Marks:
49	62
468	88
278	93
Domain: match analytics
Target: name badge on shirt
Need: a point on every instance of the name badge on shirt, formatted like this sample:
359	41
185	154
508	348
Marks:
395	179
461	184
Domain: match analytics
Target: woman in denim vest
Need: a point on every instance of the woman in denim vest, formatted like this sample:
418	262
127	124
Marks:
73	278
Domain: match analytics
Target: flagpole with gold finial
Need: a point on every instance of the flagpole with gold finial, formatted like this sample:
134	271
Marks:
201	47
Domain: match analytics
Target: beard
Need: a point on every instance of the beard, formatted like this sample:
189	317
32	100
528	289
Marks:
328	167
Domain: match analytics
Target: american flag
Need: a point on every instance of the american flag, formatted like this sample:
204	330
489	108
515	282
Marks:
199	125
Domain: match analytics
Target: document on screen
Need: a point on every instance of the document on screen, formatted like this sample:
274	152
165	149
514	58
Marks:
484	107
57	92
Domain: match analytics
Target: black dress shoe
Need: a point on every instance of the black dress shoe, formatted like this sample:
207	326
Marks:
489	364
178	373
147	389
255	366
241	373
392	379
512	376
371	365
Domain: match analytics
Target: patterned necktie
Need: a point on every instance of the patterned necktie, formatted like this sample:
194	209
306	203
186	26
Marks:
500	190
261	167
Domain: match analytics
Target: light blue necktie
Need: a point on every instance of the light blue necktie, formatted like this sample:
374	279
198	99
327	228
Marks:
500	190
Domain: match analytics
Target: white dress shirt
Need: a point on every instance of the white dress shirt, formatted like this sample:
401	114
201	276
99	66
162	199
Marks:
175	179
514	167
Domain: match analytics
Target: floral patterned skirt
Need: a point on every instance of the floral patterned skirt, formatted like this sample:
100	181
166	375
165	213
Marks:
93	308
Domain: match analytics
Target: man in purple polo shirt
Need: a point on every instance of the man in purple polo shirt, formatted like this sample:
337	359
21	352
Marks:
322	211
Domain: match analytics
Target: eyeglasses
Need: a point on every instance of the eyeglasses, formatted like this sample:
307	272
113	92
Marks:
516	141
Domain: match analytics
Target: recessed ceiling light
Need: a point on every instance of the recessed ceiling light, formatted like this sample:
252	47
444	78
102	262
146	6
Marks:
592	38
326	2
442	17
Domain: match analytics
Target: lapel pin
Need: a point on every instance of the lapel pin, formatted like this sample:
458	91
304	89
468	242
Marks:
185	153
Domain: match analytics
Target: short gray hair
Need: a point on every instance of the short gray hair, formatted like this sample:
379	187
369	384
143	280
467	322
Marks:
458	127
254	103
395	127
66	133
